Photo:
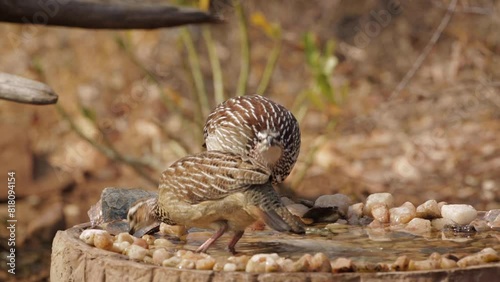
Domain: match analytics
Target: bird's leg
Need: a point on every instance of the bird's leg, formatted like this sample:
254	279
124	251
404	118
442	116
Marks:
204	247
237	236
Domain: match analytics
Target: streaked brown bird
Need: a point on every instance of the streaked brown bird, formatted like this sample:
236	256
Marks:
216	190
257	127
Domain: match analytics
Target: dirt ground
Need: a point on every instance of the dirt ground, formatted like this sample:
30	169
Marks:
436	138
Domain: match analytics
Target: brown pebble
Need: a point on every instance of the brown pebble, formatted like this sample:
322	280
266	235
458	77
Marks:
401	264
141	243
423	264
320	263
103	241
150	239
447	263
484	256
340	265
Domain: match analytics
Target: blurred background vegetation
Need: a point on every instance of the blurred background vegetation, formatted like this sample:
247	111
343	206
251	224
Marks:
132	102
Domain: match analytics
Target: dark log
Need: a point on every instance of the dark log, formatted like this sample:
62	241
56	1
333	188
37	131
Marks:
96	15
23	90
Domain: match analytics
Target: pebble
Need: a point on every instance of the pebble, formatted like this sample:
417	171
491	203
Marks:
337	227
161	242
120	247
287	265
140	242
428	264
149	239
88	235
103	241
206	263
418	225
320	263
440	223
263	263
176	230
460	214
492	215
340	265
239	261
429	210
172	262
495	225
229	267
380	212
125	237
186	264
302	264
402	214
484	256
159	255
446	263
355	210
340	201
401	264
297	209
378	198
136	252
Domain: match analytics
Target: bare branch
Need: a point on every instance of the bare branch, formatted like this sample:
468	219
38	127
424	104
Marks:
23	90
100	15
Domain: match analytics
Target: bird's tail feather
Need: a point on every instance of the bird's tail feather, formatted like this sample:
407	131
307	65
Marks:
272	211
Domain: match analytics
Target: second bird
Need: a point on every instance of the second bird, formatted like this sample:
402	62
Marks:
217	190
257	127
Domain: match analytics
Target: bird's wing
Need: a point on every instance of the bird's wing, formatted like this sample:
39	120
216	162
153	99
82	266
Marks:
212	175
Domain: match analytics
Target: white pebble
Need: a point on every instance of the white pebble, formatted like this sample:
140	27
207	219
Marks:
172	262
419	225
159	255
229	266
263	263
440	223
88	235
122	237
378	198
205	263
355	210
460	214
380	212
136	252
429	210
484	256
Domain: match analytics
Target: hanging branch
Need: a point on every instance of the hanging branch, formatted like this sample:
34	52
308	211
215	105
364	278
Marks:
100	15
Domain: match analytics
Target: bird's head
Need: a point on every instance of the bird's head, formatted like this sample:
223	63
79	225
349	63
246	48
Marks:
269	146
142	215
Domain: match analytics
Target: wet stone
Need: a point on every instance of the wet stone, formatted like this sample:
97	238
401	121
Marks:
340	265
380	212
418	225
297	209
401	264
378	198
340	201
484	256
441	223
402	214
460	214
115	202
429	210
